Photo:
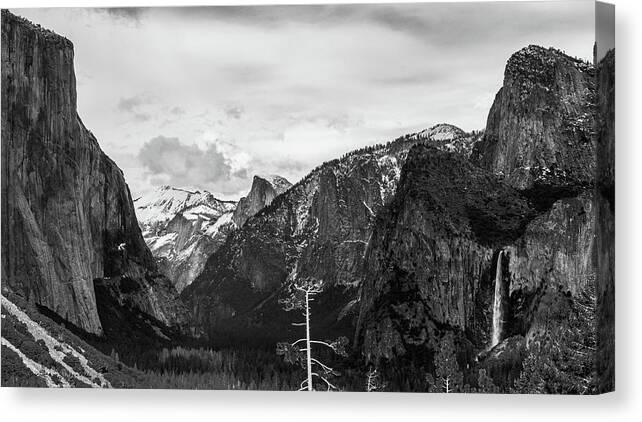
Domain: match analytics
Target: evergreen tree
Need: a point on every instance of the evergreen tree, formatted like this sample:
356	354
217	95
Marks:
448	378
532	379
486	384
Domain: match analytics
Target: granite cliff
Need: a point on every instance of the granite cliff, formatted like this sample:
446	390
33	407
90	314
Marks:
68	221
262	193
540	128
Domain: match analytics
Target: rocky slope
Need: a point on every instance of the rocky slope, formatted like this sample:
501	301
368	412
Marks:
182	229
262	193
318	228
540	127
68	221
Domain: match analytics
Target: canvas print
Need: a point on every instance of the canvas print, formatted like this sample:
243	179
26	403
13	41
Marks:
376	198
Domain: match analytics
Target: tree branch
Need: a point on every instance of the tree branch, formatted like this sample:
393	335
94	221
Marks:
330	385
323	366
323	343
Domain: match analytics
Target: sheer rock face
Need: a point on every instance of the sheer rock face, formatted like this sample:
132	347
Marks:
263	191
605	204
556	249
67	214
541	125
182	229
318	228
551	263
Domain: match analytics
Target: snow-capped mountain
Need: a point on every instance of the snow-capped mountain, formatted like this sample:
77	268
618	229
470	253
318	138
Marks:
156	209
182	228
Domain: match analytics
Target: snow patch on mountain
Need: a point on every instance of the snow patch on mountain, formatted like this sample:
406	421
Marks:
391	171
447	137
182	228
222	221
280	184
443	132
167	202
58	351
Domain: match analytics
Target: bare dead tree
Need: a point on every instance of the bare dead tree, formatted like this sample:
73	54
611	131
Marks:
300	351
373	381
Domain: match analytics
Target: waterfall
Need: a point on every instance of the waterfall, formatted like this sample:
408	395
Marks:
497	303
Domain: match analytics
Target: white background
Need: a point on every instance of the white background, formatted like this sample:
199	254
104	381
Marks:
625	404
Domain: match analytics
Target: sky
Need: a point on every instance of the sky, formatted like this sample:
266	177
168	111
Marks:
207	97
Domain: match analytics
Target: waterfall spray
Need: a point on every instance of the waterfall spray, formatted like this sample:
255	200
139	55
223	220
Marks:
497	303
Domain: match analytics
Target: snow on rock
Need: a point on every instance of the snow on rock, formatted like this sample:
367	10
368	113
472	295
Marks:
57	350
443	132
222	222
449	138
182	228
391	171
280	184
51	377
165	203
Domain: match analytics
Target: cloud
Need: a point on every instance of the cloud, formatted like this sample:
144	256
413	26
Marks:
235	112
288	87
136	106
287	166
134	103
177	164
129	104
443	23
142	117
125	13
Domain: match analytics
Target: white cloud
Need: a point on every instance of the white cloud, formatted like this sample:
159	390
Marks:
281	89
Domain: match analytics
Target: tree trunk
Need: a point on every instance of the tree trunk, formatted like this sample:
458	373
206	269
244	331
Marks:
307	339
